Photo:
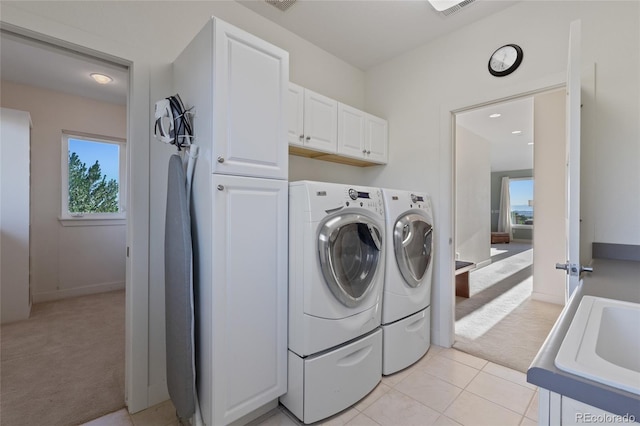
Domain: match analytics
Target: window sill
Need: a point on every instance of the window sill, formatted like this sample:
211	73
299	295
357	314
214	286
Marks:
522	226
92	221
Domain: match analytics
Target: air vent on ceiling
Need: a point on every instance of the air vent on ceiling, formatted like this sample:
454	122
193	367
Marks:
458	7
283	5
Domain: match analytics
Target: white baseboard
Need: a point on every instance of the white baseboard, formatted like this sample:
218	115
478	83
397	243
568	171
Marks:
77	291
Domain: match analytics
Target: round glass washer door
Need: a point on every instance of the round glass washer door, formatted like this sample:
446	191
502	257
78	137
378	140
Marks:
349	247
413	245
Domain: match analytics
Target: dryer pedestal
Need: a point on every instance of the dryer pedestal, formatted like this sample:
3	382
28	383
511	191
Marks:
406	341
322	385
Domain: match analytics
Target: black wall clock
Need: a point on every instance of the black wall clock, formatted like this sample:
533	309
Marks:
505	60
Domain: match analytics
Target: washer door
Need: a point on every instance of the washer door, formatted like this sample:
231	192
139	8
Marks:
413	245
349	246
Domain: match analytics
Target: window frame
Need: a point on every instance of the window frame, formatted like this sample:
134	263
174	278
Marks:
518	225
78	219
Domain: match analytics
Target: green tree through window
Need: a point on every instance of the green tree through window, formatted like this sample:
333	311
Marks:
89	190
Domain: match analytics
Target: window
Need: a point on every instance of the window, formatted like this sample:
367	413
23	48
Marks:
93	177
521	196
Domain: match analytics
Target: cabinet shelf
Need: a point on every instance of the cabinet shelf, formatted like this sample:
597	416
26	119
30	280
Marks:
334	158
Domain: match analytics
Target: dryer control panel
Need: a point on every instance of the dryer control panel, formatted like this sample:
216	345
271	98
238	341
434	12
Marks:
399	201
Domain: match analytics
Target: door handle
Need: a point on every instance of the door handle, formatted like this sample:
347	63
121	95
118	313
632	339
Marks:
564	266
573	269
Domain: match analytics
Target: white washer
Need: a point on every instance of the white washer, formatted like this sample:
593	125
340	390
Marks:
336	278
406	320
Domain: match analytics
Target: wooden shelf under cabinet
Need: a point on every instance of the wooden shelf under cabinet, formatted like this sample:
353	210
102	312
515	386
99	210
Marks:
334	158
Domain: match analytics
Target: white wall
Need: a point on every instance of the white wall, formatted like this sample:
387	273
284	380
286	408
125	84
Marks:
66	261
549	194
150	35
473	196
417	91
15	127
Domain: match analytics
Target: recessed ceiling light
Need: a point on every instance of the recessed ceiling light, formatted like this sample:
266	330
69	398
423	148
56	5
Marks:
101	78
516	132
496	115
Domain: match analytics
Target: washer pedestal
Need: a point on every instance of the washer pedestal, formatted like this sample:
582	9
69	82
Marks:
406	341
322	385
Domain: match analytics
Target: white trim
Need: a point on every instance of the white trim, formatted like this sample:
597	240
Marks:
121	220
443	326
66	293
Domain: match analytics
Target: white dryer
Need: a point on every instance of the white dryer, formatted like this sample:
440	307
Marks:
406	320
336	277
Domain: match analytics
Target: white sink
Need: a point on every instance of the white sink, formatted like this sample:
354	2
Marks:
603	343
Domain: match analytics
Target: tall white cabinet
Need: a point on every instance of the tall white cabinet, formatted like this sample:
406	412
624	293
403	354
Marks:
15	138
238	86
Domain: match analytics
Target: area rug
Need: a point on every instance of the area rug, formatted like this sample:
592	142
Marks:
500	322
65	364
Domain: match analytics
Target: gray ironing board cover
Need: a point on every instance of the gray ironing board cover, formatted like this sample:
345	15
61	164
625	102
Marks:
179	293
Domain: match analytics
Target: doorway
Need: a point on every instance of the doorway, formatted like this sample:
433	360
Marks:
72	348
501	318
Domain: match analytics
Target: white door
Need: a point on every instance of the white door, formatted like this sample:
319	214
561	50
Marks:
572	265
376	139
250	95
249	296
295	114
350	132
320	122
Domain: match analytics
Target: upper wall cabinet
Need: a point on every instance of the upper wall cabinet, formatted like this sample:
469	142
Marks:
361	135
313	120
322	128
239	82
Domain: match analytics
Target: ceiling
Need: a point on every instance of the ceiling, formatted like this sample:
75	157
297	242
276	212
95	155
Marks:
365	33
509	151
33	63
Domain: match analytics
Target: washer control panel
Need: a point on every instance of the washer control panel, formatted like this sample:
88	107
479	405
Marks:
369	198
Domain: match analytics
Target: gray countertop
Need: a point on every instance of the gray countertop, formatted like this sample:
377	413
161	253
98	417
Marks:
614	279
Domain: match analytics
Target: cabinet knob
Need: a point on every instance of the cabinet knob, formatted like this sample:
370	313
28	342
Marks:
220	187
364	151
220	159
368	152
308	138
301	138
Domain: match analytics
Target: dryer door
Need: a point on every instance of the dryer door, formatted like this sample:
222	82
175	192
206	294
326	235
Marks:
349	246
413	245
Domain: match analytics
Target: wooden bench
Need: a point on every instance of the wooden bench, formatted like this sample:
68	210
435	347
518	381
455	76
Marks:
500	237
462	277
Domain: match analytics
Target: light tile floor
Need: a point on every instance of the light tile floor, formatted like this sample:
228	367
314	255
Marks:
446	387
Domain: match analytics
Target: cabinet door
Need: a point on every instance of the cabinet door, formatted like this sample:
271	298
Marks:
320	122
295	115
351	132
249	294
376	139
251	81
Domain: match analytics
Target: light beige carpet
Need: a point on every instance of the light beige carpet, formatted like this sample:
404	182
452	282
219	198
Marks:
500	322
65	364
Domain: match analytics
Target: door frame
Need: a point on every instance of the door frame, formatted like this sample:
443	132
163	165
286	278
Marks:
136	395
443	303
